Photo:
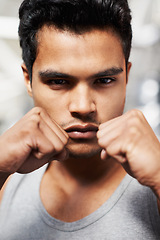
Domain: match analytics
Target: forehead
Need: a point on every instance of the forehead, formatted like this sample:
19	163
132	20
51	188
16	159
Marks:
64	49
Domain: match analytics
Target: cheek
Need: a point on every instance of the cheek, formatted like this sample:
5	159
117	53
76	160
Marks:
54	104
111	106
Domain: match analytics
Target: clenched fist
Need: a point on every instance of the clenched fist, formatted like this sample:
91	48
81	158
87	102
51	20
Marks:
131	141
31	143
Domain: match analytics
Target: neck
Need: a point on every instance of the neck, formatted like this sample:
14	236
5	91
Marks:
74	189
86	171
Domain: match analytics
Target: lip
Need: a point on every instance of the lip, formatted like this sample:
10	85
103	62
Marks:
87	131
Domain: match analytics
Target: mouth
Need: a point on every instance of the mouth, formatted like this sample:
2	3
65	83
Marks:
88	131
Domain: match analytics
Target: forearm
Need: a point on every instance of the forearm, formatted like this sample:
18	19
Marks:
4	174
154	182
3	178
158	203
157	193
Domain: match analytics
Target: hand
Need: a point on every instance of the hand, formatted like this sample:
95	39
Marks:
31	143
131	141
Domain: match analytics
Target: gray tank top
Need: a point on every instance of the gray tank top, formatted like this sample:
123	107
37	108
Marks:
130	213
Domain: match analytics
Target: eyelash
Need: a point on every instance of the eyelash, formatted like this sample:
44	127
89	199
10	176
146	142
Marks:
57	82
62	83
105	80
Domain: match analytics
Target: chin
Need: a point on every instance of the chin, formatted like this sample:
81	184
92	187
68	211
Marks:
84	152
83	149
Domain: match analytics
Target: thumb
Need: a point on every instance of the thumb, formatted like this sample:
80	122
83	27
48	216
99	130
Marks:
103	154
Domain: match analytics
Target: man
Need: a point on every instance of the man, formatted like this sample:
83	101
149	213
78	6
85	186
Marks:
74	149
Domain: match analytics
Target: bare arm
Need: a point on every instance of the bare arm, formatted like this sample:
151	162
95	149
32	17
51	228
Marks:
3	178
158	202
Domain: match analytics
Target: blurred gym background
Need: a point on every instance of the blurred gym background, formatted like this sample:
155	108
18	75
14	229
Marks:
143	91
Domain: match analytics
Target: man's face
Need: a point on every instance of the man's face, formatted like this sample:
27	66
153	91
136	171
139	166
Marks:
80	80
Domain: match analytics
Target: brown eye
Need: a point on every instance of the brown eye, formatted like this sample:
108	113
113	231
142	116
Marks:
104	80
58	81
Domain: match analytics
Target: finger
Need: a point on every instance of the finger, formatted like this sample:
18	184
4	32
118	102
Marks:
54	126
60	128
115	150
40	144
111	126
40	150
57	141
108	123
38	113
132	114
110	133
108	136
43	153
119	144
131	119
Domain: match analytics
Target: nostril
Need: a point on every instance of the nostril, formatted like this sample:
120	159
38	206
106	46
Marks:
82	107
83	111
85	117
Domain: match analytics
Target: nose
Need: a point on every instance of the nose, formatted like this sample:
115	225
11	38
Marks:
82	101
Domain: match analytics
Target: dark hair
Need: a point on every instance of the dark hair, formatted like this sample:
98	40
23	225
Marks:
77	16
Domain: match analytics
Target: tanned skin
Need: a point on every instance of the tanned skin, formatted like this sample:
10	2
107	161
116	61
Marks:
78	126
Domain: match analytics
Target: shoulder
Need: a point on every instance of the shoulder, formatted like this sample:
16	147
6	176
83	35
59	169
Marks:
20	183
137	199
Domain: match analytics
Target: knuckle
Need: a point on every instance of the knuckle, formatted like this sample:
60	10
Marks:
139	113
135	113
133	130
37	110
34	120
135	119
134	123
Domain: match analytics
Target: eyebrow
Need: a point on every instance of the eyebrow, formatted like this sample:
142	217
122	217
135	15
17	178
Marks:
108	72
54	74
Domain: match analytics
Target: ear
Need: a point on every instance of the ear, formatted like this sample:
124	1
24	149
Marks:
27	80
129	65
